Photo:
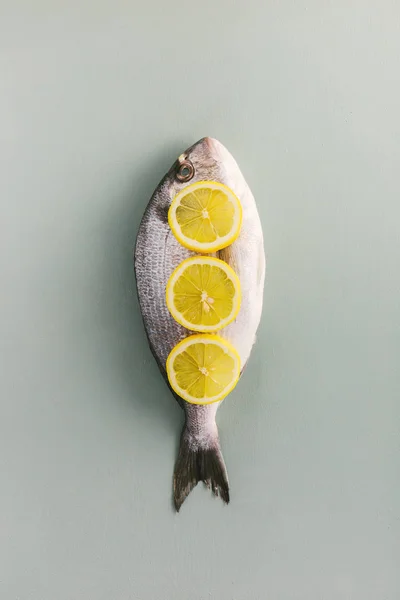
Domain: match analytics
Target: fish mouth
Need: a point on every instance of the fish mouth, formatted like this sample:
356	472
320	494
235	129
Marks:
211	145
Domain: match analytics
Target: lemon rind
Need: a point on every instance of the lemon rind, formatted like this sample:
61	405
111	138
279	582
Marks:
199	338
178	317
203	246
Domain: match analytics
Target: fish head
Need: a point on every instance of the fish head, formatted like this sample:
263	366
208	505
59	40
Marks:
206	160
200	162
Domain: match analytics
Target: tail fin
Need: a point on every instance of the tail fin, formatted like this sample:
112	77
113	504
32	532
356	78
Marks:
199	463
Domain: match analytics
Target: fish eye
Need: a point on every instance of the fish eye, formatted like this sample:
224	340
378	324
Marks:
185	170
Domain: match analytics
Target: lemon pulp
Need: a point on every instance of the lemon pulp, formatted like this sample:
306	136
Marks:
205	216
203	369
203	294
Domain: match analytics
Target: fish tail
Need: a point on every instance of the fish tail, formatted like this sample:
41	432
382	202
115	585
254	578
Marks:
199	460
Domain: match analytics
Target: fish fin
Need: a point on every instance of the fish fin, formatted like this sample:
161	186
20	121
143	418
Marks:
199	463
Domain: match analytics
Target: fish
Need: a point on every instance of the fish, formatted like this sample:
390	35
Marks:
157	253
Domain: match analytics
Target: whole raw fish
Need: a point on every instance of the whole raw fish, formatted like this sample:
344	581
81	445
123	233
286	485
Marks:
157	254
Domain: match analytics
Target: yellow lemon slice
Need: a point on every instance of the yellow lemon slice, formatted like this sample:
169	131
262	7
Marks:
205	216
203	294
203	368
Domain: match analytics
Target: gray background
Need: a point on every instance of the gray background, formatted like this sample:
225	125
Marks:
96	101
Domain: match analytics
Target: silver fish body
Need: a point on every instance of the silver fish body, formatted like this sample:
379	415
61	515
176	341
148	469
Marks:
157	254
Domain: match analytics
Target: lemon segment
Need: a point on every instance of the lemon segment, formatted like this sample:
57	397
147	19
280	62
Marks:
203	369
205	216
203	294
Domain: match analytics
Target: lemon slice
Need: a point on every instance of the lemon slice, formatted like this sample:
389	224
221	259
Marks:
203	294
203	368
205	216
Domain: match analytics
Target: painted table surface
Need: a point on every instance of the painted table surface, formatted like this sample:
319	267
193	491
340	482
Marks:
96	101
